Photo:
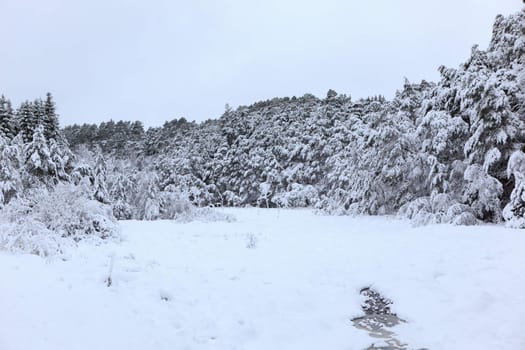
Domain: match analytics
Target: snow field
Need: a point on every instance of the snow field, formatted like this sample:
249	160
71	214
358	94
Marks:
274	279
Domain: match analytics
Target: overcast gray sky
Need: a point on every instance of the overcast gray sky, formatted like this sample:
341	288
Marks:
158	60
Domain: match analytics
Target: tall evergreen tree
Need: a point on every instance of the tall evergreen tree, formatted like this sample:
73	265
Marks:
50	122
6	118
10	177
99	181
38	158
27	121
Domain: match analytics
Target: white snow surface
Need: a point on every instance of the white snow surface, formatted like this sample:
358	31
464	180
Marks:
274	279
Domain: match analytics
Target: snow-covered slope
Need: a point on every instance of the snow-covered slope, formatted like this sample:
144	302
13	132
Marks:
274	279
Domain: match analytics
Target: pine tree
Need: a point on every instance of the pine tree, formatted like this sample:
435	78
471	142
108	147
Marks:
26	121
122	187
39	113
63	158
39	163
514	211
147	199
10	177
6	119
50	119
99	181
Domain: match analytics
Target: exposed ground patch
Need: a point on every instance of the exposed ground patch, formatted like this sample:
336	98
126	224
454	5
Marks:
379	320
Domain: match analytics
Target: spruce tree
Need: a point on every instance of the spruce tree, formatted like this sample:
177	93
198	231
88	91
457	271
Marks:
62	157
37	106
10	178
99	181
6	119
50	121
39	163
26	121
120	193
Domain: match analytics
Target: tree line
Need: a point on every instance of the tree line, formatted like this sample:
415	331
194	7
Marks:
446	151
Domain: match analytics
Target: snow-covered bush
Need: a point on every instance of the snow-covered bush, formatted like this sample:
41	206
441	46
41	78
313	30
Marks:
415	209
332	205
265	191
175	205
482	193
437	209
122	210
461	214
43	221
297	195
30	236
231	199
210	215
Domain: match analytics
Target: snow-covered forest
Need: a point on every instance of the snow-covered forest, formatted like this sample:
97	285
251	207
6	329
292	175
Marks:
291	223
449	151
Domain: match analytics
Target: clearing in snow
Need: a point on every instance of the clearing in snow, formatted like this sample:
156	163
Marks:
273	279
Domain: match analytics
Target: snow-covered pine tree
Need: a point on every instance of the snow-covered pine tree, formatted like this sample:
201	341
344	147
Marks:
6	119
99	181
39	162
63	158
26	121
492	120
514	211
121	189
50	119
10	177
38	114
147	199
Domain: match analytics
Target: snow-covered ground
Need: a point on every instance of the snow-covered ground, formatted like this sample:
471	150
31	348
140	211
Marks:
274	279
